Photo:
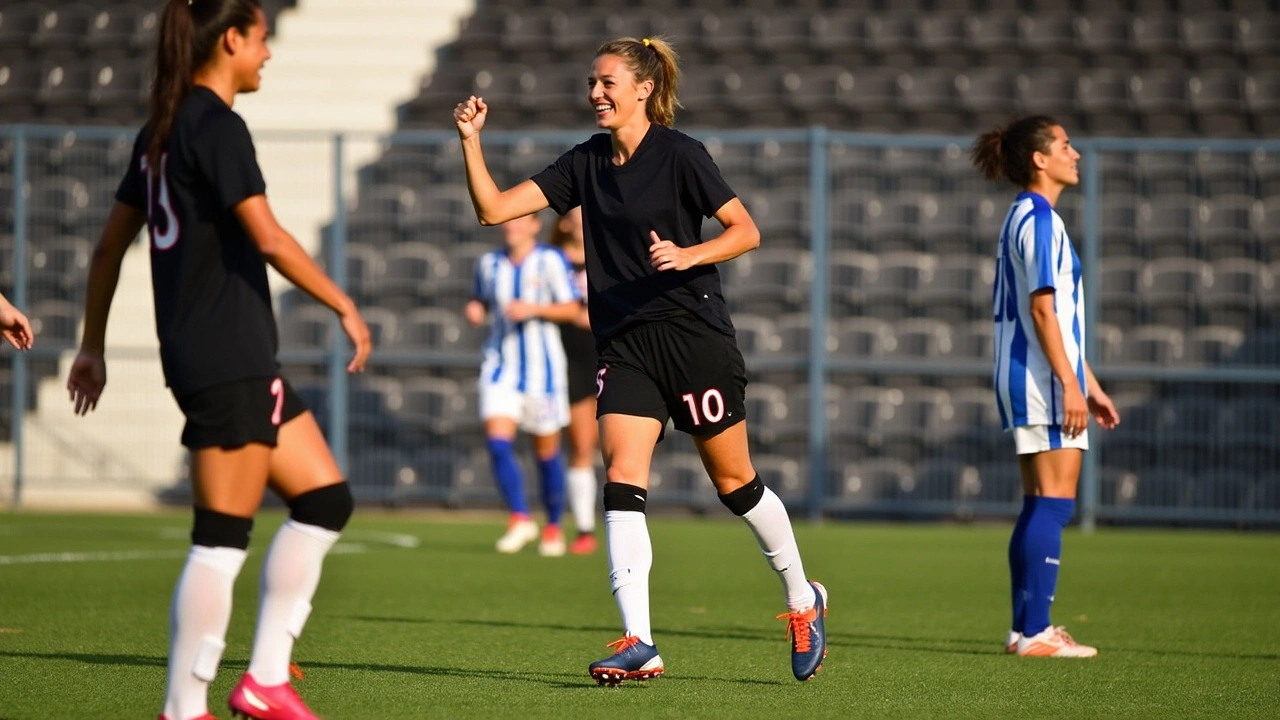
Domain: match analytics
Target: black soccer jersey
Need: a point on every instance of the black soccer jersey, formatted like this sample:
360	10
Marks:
669	186
213	305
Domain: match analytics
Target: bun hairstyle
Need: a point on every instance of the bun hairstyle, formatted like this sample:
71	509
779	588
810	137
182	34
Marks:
652	58
1006	152
189	33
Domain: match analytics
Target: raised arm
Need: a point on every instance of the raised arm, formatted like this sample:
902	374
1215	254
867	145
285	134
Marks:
283	253
89	371
493	206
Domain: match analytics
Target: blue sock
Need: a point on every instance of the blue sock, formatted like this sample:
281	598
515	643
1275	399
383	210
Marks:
1016	570
1041	556
507	472
551	473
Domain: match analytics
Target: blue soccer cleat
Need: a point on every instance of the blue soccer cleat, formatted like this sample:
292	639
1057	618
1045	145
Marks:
631	660
808	634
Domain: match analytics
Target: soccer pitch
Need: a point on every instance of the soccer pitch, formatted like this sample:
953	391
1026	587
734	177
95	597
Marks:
418	617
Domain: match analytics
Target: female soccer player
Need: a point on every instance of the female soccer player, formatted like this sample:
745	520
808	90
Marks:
194	181
580	352
14	326
666	343
528	288
1044	387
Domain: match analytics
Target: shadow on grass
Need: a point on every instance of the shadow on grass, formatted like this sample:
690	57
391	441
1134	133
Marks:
563	680
929	643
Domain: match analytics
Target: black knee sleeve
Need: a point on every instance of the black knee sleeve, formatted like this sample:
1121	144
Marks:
328	507
621	496
741	501
214	529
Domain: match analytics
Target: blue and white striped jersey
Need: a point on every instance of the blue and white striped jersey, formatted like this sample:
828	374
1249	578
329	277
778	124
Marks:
1035	253
526	357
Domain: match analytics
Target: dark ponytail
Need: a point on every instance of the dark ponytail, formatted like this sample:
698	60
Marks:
189	33
1006	151
654	59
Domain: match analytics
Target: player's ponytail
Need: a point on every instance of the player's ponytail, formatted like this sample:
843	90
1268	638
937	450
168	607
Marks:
189	33
1005	152
652	58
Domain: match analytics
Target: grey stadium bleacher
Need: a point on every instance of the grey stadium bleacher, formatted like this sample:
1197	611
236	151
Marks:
911	230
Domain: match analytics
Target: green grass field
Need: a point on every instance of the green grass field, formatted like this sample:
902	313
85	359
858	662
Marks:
1187	623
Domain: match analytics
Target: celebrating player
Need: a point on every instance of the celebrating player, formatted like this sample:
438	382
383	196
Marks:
528	288
1044	387
667	348
194	181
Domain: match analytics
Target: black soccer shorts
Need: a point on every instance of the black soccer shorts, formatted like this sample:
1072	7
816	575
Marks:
237	413
681	369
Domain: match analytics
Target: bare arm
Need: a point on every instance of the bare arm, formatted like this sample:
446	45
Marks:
14	326
283	253
740	236
564	312
1045	318
88	374
493	206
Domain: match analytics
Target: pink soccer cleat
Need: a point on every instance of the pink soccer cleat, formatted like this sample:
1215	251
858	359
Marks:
278	702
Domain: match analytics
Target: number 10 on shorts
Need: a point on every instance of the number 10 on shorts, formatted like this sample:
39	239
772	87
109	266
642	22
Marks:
712	406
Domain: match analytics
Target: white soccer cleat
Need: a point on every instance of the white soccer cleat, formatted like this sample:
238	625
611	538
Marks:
1011	642
552	543
1054	642
519	533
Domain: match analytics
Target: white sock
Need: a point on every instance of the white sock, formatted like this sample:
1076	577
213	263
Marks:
290	574
772	528
630	558
198	618
583	497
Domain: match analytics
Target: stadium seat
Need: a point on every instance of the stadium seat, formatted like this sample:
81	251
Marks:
860	416
784	475
19	22
306	328
838	34
940	480
887	479
1262	98
1250	428
993	32
1221	174
1239	291
440	330
1153	345
996	482
435	405
1212	345
1230	491
1160	96
1167	223
56	323
415	270
384	474
973	341
1189	431
63	27
1110	342
1164	487
756	335
921	339
958	288
863	338
1047	33
1171	287
1105	31
1133	442
908	429
680	477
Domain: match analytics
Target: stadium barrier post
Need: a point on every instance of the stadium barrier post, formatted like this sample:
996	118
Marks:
338	382
1090	473
19	300
818	241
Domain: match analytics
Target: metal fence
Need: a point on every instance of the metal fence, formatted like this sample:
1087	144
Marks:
872	283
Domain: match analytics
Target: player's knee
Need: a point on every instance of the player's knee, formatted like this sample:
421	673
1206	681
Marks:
328	507
744	499
621	496
215	529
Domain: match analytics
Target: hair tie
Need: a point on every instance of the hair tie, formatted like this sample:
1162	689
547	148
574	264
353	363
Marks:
647	42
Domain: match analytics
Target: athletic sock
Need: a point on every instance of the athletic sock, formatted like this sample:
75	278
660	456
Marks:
630	559
583	494
507	472
771	525
290	574
1041	558
551	474
198	618
1017	569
